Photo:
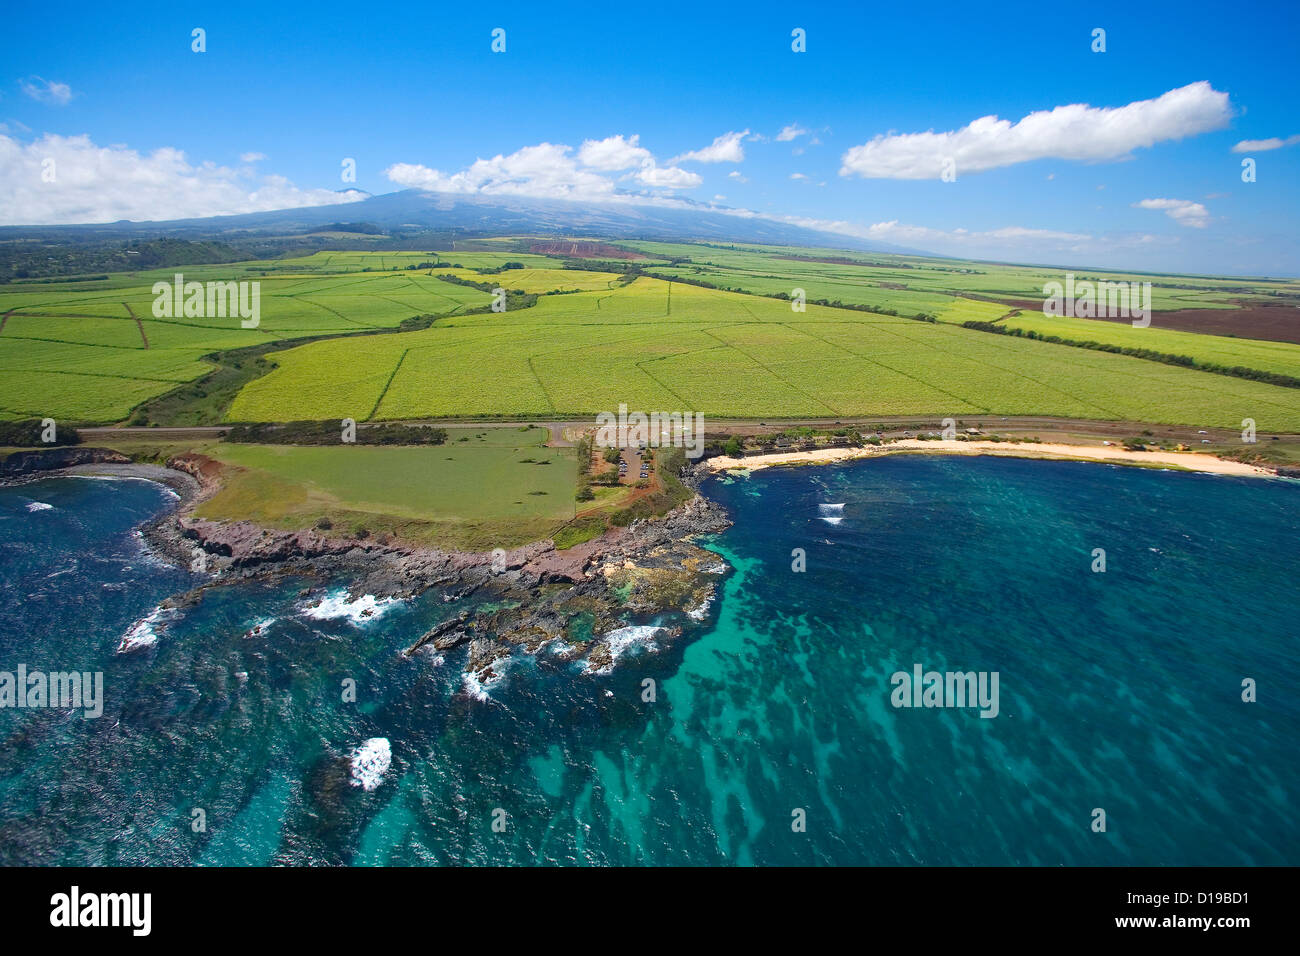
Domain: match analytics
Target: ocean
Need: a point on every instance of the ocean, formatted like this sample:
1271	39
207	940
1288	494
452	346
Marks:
266	725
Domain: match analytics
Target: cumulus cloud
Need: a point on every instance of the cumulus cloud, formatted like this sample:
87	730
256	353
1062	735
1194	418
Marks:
737	176
1182	211
46	91
790	132
726	148
669	177
252	157
104	184
614	153
1263	145
546	169
1074	132
560	172
553	171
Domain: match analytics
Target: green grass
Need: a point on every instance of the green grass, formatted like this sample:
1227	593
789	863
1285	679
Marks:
74	351
1280	357
749	267
475	494
657	346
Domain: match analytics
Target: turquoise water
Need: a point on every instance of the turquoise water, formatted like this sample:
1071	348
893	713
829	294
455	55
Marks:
1118	690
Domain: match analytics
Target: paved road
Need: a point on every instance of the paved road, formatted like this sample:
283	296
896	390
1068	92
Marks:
751	426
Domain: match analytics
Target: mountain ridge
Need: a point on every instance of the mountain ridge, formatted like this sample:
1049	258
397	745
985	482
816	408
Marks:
414	210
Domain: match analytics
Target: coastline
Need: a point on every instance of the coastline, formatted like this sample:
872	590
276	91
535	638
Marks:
1190	461
615	583
650	570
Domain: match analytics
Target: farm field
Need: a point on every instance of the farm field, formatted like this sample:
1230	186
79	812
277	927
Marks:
1280	357
654	344
76	350
92	351
1240	307
483	488
950	276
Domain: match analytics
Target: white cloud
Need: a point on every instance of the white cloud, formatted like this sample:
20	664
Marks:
790	132
46	91
737	176
252	157
1263	145
798	176
552	171
1076	132
542	170
725	149
894	231
1182	211
104	184
671	177
613	153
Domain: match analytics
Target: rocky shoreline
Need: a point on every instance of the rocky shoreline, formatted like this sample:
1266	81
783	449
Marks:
571	601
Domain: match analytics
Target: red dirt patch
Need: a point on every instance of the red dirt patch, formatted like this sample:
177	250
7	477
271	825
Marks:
206	470
1272	323
1269	323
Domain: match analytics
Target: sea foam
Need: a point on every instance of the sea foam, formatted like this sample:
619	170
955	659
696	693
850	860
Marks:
141	633
623	639
370	762
336	604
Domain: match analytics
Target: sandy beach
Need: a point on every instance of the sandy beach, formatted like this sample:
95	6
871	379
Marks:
1174	459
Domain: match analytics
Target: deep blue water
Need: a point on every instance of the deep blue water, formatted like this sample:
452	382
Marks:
1118	690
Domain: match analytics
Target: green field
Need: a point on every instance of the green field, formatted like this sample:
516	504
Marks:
872	278
484	488
1281	357
75	351
657	345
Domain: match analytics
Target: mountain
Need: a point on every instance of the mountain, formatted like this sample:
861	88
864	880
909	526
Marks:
413	210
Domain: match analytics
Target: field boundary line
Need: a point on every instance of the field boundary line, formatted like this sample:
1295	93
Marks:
68	315
538	379
84	345
333	312
138	324
120	378
663	358
772	372
1027	378
899	371
387	385
1151	375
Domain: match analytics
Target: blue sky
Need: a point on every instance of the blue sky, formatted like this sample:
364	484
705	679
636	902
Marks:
141	127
